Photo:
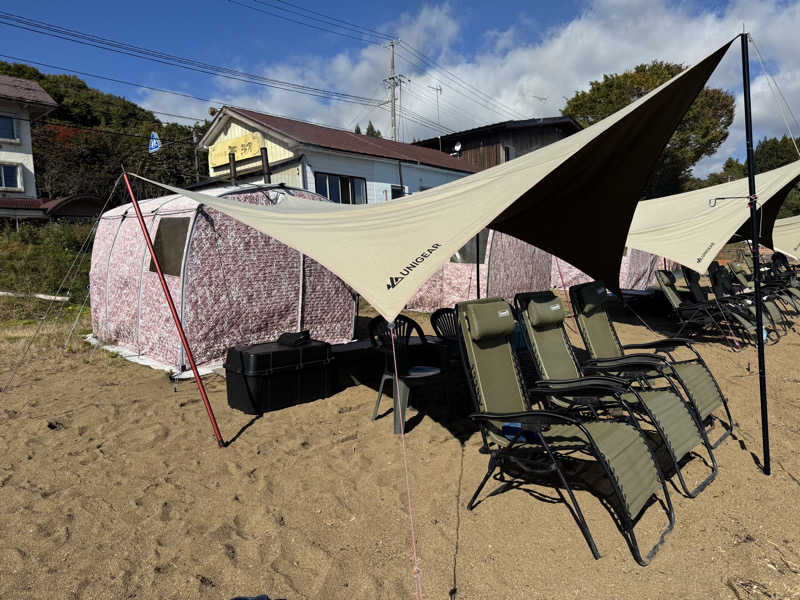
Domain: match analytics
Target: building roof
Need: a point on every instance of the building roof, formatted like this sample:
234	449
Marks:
567	123
79	205
337	139
26	91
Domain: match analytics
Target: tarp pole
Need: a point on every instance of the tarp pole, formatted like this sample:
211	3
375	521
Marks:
175	317
478	264
754	215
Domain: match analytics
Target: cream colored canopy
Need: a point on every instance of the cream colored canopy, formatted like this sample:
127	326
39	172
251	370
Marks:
786	236
692	227
574	198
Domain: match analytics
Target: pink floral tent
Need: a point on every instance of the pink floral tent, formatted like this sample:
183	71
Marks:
509	266
231	284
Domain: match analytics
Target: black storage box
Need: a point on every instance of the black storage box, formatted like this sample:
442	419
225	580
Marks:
265	377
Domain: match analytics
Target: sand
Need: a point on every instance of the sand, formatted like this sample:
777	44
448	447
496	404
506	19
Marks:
111	486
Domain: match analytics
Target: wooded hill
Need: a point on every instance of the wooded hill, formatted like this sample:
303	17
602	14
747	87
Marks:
81	145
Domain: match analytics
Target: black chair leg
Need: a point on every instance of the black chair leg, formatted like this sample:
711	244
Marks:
384	378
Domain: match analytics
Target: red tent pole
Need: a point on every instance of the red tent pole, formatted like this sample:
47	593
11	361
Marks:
171	304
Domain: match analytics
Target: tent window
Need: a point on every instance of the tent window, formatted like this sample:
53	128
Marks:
169	243
467	252
342	189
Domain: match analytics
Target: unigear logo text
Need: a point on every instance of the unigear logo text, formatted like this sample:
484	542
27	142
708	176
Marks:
406	271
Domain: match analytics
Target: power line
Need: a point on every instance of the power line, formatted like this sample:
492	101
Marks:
467	90
124	48
148	87
318	28
373	37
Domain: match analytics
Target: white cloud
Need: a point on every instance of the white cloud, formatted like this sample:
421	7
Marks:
534	72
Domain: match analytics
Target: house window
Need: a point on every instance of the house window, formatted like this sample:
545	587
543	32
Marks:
342	189
169	243
467	253
398	191
10	177
7	129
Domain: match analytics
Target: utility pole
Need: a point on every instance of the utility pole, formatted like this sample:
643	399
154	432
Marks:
196	160
393	81
392	86
438	89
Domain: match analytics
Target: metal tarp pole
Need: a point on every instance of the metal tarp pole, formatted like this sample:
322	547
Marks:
754	217
478	265
174	312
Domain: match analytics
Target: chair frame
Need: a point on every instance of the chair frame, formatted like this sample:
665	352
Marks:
662	354
581	393
640	408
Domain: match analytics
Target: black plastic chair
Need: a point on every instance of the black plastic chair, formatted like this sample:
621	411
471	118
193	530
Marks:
443	321
409	375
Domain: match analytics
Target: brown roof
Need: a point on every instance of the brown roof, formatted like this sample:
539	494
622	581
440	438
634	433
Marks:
336	139
25	90
22	203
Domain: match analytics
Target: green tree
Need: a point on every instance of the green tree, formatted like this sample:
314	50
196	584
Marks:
769	153
371	131
358	129
700	132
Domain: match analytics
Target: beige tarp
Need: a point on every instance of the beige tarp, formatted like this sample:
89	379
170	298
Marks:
786	236
692	227
574	198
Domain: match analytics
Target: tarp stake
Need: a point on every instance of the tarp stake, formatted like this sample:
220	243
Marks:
174	312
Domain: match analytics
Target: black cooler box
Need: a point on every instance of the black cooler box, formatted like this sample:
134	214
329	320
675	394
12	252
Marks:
265	377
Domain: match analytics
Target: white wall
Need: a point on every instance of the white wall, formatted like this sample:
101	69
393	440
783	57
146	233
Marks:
19	152
379	173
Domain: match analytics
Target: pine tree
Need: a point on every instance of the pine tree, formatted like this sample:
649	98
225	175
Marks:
358	129
372	131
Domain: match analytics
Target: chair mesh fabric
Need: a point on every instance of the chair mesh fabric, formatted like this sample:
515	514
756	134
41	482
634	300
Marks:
673	417
598	333
700	383
667	282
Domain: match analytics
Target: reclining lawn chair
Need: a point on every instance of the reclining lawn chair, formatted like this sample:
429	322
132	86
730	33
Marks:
697	316
601	340
523	443
677	423
740	309
776	291
744	302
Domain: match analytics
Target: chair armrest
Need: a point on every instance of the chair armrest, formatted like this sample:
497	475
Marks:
585	386
659	344
531	418
631	361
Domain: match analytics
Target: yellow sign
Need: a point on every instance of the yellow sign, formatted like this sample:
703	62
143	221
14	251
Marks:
245	146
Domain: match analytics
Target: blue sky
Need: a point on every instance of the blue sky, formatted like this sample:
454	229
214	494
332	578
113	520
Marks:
527	57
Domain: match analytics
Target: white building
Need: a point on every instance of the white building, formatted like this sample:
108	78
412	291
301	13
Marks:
345	167
21	100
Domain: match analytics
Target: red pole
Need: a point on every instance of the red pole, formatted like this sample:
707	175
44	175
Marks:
171	304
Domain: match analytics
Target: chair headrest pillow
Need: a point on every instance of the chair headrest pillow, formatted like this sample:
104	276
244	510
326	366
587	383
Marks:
488	320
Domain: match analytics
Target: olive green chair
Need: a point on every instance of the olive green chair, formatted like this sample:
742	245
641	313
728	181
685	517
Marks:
692	375
677	425
524	443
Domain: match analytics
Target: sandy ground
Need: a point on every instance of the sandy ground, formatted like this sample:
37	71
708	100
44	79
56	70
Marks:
111	486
